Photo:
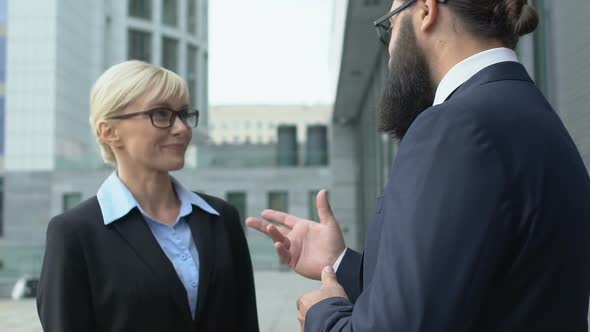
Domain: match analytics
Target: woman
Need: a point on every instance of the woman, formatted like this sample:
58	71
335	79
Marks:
145	254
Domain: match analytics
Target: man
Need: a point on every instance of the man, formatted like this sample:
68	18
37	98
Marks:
484	224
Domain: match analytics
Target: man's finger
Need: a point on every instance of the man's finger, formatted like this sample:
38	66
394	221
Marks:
324	209
329	277
279	217
276	235
262	226
257	224
283	253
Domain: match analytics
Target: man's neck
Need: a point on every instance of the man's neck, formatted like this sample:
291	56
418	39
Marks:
450	54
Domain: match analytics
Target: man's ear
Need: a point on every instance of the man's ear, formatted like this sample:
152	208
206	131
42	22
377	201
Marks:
428	12
107	133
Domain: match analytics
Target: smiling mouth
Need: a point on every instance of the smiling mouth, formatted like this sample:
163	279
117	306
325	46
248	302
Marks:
176	147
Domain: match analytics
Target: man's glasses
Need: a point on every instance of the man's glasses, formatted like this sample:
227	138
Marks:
383	24
163	117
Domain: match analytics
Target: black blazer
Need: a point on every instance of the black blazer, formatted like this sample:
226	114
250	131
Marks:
484	224
98	278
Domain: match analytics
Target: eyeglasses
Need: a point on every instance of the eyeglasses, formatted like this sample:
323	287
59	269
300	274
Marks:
383	24
163	117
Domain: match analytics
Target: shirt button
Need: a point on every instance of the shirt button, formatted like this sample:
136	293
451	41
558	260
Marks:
194	284
184	257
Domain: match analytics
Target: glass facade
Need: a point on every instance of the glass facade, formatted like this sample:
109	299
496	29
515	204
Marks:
191	17
2	58
170	53
140	8
313	210
1	208
3	11
191	73
541	48
170	13
2	118
278	200
3	17
69	200
139	46
238	199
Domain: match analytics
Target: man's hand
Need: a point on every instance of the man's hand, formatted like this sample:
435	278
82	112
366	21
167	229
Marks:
305	245
330	288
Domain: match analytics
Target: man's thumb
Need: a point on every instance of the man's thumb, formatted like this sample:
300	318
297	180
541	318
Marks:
324	209
328	277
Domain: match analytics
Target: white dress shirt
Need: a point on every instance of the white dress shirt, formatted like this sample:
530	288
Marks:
464	70
457	76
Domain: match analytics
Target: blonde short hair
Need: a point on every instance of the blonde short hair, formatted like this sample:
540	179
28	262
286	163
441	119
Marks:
124	83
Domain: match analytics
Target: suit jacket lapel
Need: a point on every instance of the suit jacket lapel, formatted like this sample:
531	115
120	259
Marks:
137	233
200	223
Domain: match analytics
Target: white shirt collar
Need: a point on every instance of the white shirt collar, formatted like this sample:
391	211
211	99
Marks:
464	70
116	200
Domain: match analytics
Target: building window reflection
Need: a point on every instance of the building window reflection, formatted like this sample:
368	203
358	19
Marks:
69	200
139	45
140	9
170	13
191	17
170	53
191	73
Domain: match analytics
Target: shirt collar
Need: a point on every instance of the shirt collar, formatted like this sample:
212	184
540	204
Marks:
465	69
116	201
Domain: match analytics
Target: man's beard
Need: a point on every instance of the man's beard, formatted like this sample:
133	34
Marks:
409	88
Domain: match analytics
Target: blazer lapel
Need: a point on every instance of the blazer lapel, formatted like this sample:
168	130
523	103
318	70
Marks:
200	224
137	233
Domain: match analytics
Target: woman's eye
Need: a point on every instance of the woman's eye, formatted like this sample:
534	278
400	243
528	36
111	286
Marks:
161	114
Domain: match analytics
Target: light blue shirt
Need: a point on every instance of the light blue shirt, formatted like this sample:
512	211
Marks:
116	201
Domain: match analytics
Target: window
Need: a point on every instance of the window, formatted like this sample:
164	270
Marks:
170	53
313	210
2	129
1	207
70	200
139	45
170	13
140	9
238	199
541	48
3	11
191	73
278	200
2	58
205	20
191	17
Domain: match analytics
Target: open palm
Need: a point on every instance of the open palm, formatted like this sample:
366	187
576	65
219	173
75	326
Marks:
307	246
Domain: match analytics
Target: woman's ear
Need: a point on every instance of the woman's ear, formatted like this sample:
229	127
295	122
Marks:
108	133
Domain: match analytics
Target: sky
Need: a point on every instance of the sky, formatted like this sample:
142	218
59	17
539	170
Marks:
270	52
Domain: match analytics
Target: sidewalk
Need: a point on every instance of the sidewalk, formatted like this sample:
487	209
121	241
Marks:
277	293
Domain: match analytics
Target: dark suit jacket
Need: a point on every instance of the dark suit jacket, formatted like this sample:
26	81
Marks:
483	226
98	278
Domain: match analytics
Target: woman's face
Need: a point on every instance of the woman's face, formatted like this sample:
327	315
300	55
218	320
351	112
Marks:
142	146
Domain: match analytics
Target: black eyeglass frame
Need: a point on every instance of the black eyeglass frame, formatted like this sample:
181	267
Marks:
383	24
183	115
